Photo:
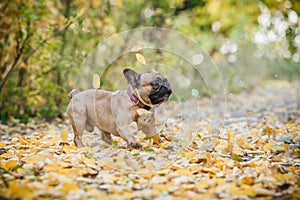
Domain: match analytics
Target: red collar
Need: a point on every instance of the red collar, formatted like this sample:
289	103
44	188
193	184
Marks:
135	100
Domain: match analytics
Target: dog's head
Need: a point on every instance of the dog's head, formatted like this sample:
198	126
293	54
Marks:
152	87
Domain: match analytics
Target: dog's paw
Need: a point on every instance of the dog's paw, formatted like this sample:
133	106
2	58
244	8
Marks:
135	145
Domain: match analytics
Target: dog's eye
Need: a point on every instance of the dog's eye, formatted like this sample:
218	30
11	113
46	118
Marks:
156	83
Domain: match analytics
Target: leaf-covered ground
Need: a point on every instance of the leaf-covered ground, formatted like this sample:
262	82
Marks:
254	155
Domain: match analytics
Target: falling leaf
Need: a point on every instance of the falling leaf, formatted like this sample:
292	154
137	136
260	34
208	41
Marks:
136	48
96	81
140	58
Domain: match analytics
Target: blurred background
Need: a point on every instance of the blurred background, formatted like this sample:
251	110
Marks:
44	42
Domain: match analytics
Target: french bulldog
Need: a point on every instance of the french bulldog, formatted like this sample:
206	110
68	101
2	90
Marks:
120	113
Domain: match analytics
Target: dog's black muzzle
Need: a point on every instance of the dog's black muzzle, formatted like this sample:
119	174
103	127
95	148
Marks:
161	94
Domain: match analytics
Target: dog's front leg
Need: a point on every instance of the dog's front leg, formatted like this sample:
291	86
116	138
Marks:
152	132
126	130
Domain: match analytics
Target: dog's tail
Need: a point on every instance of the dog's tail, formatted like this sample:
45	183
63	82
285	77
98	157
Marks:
73	93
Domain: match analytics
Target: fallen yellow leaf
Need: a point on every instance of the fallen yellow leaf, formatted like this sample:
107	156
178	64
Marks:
230	134
263	192
19	191
208	156
9	165
247	180
203	184
209	129
237	152
184	172
2	144
87	160
268	146
189	154
242	141
68	186
269	131
156	138
164	144
228	148
64	135
160	187
22	141
6	155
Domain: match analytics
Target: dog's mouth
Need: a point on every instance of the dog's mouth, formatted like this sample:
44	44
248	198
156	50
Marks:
161	94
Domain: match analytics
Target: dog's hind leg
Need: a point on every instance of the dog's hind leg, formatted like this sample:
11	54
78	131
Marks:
106	137
89	127
78	120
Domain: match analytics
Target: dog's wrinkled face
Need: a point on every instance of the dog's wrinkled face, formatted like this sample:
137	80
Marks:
153	87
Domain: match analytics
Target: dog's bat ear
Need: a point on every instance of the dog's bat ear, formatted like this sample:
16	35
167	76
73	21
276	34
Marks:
132	77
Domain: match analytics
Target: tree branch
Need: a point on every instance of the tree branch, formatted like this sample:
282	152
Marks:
17	61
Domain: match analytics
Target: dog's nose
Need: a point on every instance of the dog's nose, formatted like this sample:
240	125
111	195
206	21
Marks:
169	89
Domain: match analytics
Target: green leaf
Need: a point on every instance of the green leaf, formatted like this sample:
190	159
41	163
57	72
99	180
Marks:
41	149
17	167
149	150
88	155
115	143
236	158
